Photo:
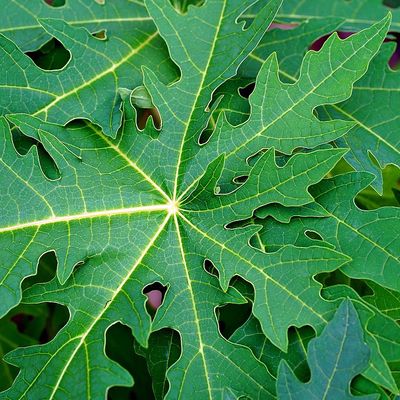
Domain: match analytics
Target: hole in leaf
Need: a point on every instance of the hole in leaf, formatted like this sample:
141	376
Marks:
21	327
51	56
143	115
101	35
122	348
27	322
247	90
155	293
164	350
55	3
47	268
56	320
313	235
23	143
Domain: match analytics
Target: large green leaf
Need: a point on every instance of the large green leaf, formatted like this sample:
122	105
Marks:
147	206
374	140
334	358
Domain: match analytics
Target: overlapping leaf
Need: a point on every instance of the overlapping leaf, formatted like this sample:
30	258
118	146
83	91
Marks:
334	358
374	136
282	114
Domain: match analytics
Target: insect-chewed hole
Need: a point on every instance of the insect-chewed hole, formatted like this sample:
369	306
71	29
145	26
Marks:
51	56
313	235
209	267
155	293
55	3
101	35
122	348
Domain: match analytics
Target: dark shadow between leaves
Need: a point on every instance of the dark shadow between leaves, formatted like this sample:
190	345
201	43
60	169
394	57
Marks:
231	316
337	277
55	3
121	347
23	144
51	56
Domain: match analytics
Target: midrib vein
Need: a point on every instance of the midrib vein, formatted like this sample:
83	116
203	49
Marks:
203	77
129	161
97	77
86	215
193	301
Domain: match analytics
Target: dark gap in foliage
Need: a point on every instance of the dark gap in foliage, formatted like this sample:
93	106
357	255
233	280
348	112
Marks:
47	267
55	3
101	35
144	114
313	235
31	320
238	224
361	386
369	199
337	277
51	56
231	316
163	351
209	267
23	144
182	5
155	293
121	348
394	60
56	320
247	90
57	317
392	3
